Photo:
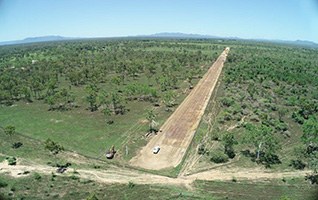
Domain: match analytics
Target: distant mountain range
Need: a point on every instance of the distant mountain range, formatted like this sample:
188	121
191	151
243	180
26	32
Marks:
38	39
183	35
161	35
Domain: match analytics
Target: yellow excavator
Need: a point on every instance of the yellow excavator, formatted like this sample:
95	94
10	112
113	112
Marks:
110	153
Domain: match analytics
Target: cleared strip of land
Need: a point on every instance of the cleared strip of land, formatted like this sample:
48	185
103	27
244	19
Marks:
177	132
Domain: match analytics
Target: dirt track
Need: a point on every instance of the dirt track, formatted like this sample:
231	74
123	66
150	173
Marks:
179	129
123	175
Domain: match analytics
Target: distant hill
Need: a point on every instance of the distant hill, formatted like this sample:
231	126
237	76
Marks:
306	43
181	35
37	39
184	35
162	35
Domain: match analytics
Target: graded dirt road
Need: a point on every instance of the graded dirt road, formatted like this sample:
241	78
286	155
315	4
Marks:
177	132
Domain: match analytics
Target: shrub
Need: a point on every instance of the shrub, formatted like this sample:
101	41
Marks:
201	149
215	135
297	164
12	188
86	181
218	156
269	159
227	116
73	177
37	176
3	183
96	166
131	184
227	101
12	161
298	118
273	107
236	109
92	197
281	126
16	145
220	119
107	111
52	176
313	178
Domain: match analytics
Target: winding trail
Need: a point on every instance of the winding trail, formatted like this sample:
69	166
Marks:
177	132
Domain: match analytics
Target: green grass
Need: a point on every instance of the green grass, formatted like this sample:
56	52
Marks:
87	133
2	158
73	187
295	189
62	187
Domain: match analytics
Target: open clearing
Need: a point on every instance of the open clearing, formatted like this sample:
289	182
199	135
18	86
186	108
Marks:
177	132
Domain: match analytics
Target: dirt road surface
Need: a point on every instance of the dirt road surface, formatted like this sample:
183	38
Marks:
177	132
125	175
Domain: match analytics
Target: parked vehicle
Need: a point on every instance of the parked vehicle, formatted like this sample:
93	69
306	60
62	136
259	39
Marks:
156	149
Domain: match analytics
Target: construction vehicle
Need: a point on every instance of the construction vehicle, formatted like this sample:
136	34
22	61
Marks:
110	153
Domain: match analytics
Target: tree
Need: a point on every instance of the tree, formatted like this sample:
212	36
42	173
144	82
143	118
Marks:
310	139
189	78
174	81
264	140
310	133
91	97
116	99
163	81
10	131
132	70
281	113
105	102
51	101
53	147
164	67
151	116
169	98
26	92
121	71
229	141
92	197
115	80
51	86
60	99
300	153
151	70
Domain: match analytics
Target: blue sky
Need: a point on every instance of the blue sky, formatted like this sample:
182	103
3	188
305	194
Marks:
262	19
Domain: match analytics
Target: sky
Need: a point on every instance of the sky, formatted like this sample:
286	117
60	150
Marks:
248	19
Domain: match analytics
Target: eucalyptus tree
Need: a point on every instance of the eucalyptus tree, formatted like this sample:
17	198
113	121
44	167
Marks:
53	147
